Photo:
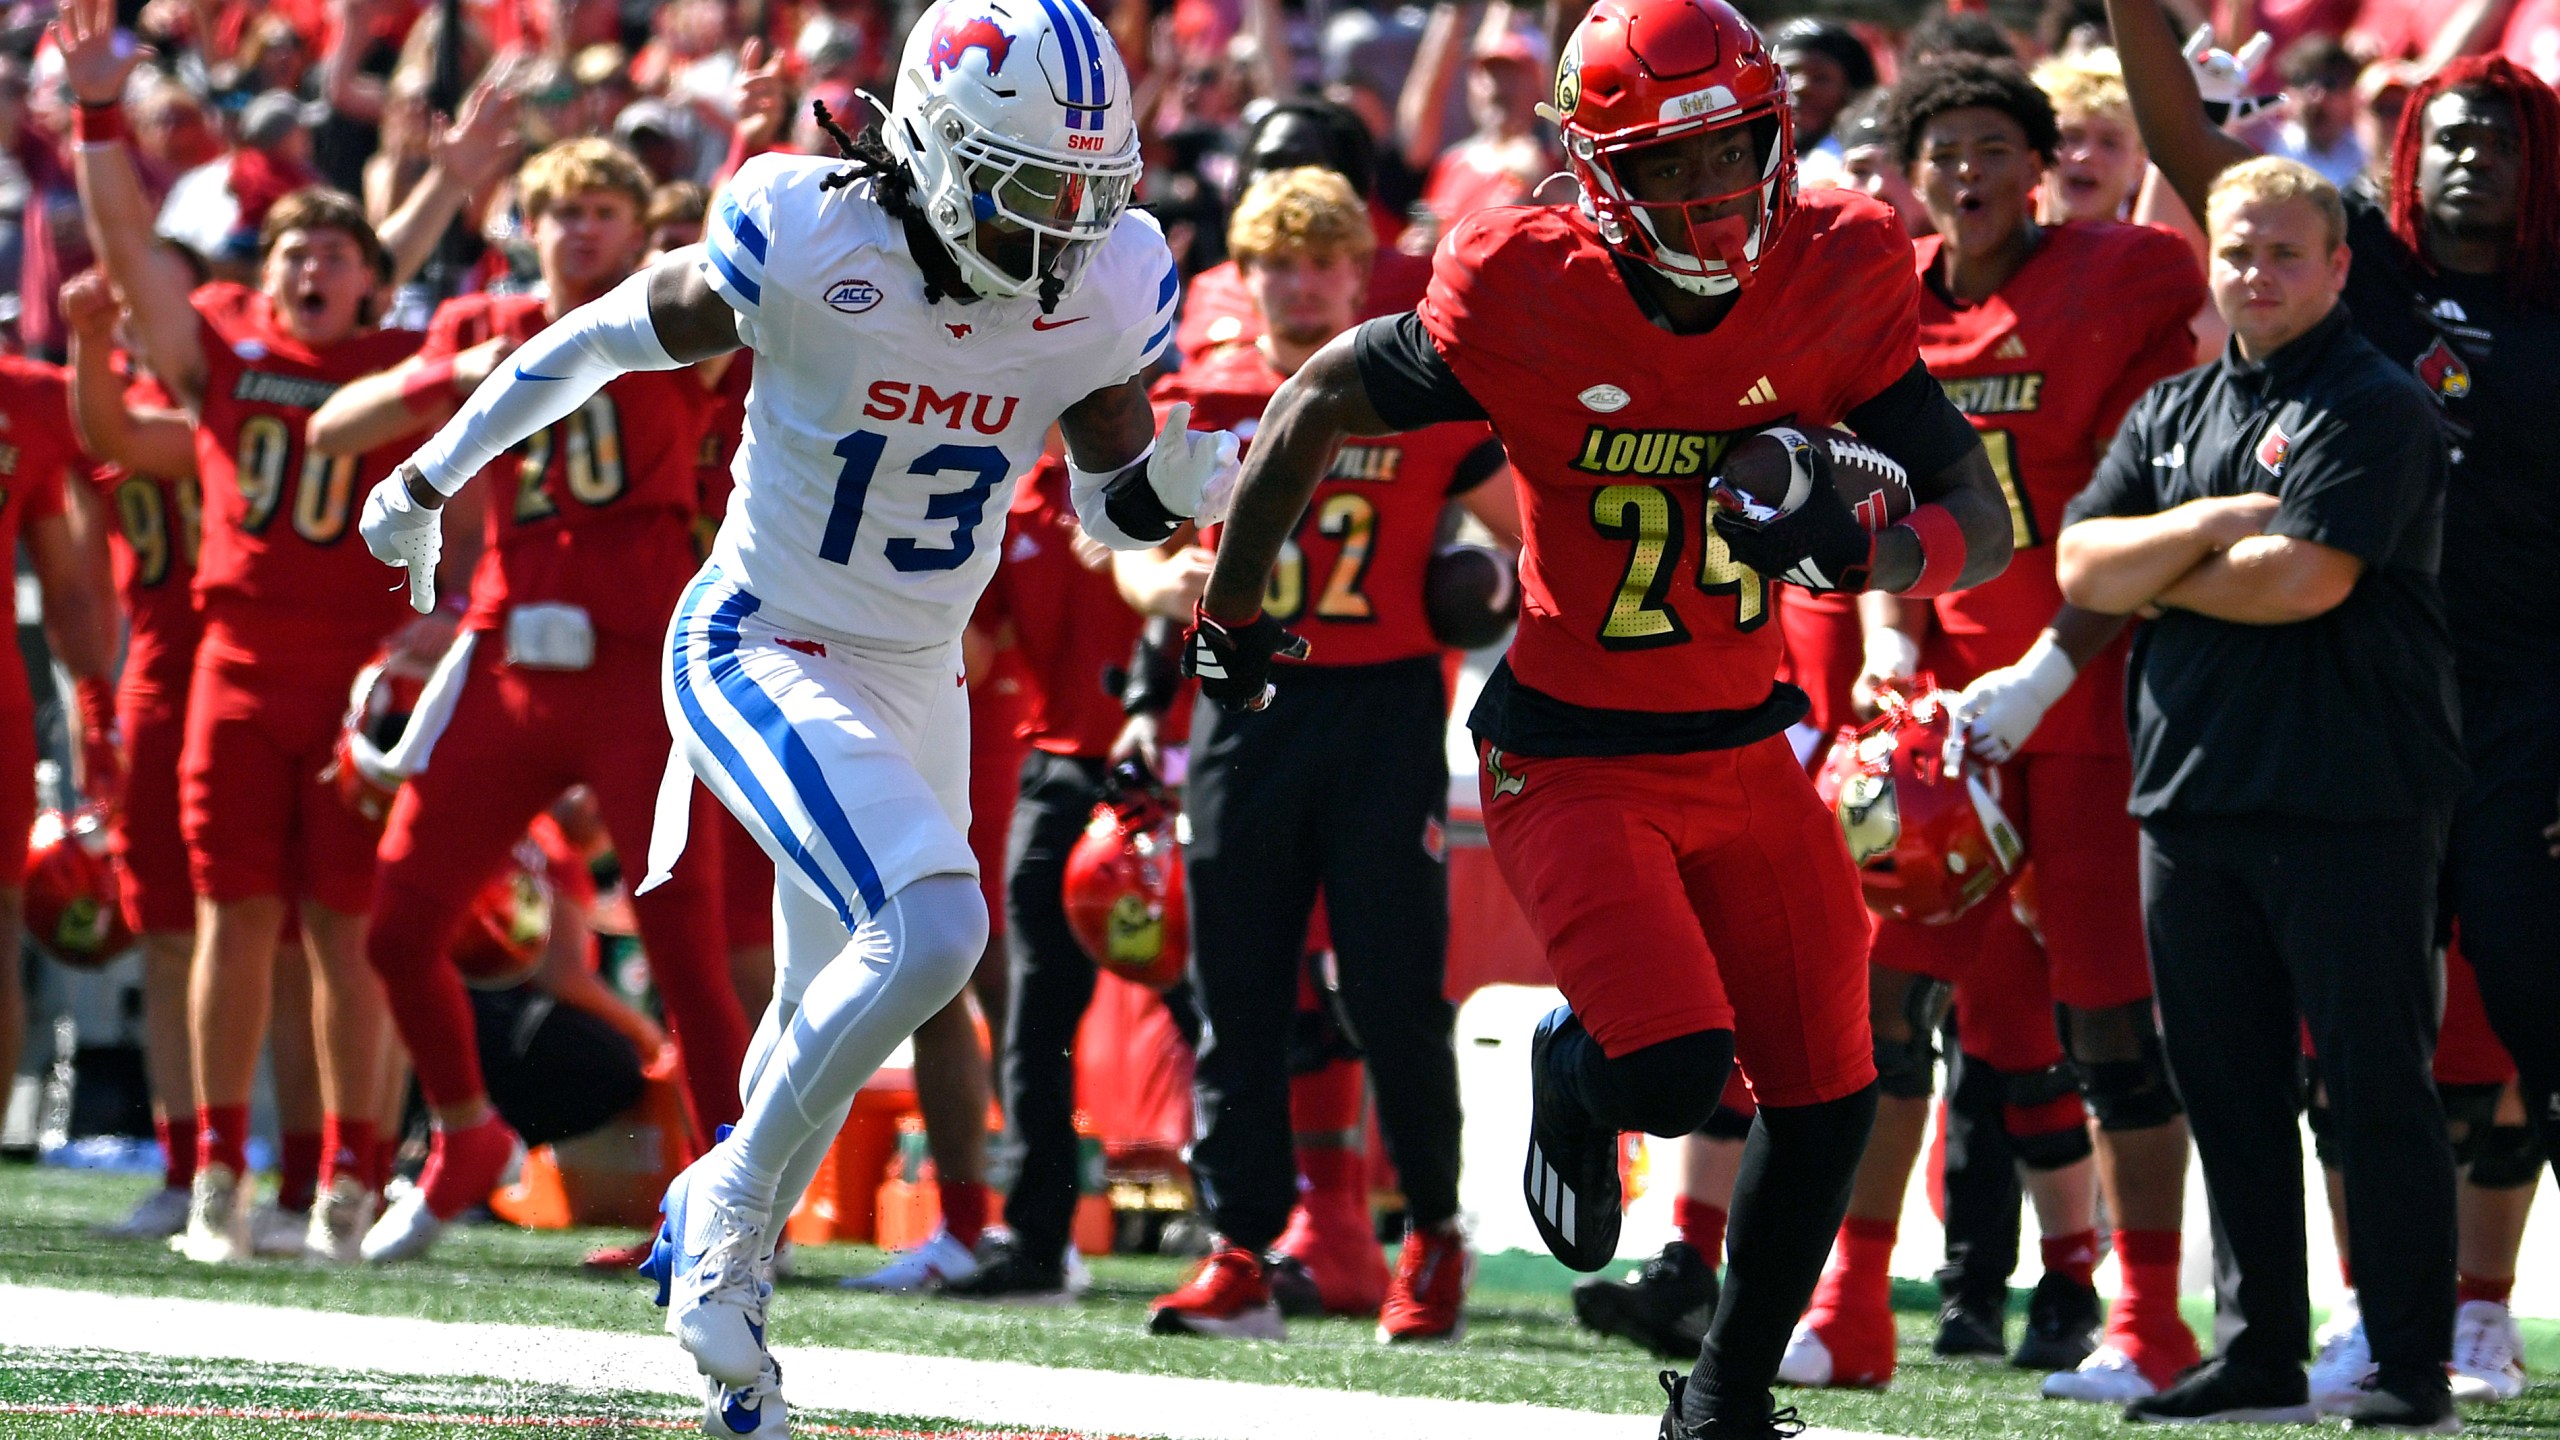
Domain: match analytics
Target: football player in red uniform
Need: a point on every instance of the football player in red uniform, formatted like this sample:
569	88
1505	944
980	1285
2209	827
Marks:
2043	337
291	611
590	540
1696	900
1341	786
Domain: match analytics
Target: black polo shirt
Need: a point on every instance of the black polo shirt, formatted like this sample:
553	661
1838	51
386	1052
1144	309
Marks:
2349	715
2493	369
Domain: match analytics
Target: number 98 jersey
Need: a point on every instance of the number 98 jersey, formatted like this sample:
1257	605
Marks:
884	435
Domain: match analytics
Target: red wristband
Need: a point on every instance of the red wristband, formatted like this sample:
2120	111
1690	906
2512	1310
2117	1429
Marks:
1942	551
429	385
98	124
96	702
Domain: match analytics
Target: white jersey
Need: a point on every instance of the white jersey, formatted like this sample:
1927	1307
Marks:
884	436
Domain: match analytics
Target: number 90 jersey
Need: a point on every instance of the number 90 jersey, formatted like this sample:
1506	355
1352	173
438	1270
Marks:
885	435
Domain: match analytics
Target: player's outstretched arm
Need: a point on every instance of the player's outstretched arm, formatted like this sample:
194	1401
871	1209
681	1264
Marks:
1313	412
663	318
2167	107
152	442
1135	483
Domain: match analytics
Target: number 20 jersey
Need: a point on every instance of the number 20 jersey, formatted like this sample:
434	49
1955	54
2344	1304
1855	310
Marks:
884	435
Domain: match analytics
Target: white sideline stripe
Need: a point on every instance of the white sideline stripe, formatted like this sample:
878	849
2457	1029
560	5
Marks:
986	1392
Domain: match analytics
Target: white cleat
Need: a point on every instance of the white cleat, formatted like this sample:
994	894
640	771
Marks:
750	1412
2488	1354
715	1295
340	1216
217	1230
2344	1366
160	1215
407	1230
1079	1276
929	1266
1807	1361
2107	1377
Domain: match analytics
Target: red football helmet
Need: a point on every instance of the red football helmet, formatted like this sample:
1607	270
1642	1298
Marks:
378	708
1928	836
1640	72
1124	893
75	909
501	939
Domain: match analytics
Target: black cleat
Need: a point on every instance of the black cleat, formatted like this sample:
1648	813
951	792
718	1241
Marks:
1012	1273
1774	1425
2230	1392
1970	1329
1663	1306
2405	1408
1292	1288
1571	1180
2063	1320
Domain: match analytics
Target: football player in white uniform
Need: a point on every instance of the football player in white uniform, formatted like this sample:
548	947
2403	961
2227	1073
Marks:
921	317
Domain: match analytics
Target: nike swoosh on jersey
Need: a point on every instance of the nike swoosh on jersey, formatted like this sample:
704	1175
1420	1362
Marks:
524	374
1043	322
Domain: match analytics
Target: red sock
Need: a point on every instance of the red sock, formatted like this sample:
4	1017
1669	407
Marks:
222	1136
2073	1257
1852	1307
964	1210
1701	1227
2468	1287
346	1148
377	1170
2145	1323
1328	1102
1334	1173
2346	1272
464	1166
298	1174
177	1151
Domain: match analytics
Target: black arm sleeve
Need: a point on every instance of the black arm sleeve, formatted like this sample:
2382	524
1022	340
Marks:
1913	421
1409	385
1481	464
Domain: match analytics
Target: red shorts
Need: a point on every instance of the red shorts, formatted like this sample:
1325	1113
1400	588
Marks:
18	794
151	853
1826	648
2088	887
1680	893
2467	1051
256	816
746	881
2004	1004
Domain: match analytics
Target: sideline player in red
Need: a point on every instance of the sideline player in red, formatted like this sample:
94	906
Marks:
291	609
2043	336
1696	900
589	542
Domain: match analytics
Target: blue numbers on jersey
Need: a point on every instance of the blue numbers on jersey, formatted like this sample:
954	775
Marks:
966	507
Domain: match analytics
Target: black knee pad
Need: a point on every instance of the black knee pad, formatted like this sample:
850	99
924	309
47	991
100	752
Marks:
1905	1068
2053	1149
553	1070
2123	1073
2469	1111
2510	1157
1726	1123
1667	1088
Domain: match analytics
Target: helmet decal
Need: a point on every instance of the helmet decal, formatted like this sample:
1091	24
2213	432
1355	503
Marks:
954	37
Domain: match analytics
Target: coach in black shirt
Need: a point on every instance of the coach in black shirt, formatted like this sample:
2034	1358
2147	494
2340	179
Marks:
2295	764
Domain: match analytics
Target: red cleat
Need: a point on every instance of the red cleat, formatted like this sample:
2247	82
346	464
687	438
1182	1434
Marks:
1328	1261
620	1257
1428	1298
1227	1294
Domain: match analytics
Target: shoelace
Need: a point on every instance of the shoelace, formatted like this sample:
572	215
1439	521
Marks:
2480	1346
734	1260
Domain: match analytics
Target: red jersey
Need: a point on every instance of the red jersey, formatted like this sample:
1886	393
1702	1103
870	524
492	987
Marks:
36	447
1350	579
159	524
597	510
1069	623
1628	601
281	558
724	429
2045	369
1217	310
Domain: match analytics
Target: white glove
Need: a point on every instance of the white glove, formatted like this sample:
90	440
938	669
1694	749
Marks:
1192	472
2001	708
402	533
1891	655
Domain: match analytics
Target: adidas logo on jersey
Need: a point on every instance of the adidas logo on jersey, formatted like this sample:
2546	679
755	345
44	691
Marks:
1762	393
2011	348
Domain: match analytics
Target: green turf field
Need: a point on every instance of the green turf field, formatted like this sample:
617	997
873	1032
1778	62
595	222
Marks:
1521	1344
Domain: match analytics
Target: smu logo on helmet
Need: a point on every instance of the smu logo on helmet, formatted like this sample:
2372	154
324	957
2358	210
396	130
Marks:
954	37
2444	372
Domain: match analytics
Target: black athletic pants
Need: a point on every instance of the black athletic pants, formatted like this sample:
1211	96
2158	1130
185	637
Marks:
2257	926
1052	985
1342	784
2503	886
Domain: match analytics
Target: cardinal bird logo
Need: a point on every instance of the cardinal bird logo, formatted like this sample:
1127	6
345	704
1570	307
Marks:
2444	372
955	37
2273	447
1504	782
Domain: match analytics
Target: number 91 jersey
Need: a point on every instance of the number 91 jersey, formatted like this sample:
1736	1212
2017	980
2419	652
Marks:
885	435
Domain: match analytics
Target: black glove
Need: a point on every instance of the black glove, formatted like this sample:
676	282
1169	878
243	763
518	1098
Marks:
1820	545
1154	675
1233	663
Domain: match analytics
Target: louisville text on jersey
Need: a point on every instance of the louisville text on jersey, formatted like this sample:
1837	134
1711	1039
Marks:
1365	462
296	391
1653	454
1996	394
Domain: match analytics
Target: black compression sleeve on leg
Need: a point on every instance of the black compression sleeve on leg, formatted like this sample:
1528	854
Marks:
1667	1088
1787	1205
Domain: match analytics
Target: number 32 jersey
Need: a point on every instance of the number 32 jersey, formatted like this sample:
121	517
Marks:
884	435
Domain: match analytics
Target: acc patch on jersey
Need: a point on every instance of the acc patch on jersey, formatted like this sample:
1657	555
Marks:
853	296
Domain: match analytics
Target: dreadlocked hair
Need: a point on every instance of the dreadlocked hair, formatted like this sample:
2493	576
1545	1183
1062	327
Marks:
2534	277
894	188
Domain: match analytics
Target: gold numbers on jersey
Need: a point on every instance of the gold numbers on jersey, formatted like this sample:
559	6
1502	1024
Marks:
2002	447
591	468
324	495
1640	617
1351	519
144	516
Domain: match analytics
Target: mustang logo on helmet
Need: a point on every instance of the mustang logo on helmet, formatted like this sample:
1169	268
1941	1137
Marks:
954	38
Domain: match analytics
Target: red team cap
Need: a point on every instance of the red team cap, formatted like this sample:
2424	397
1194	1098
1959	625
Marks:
1639	72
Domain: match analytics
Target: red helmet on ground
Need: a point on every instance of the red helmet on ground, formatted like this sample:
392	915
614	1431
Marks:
75	909
379	704
1641	72
501	939
1929	838
1124	893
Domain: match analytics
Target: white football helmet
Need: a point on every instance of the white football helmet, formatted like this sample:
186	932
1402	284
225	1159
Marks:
1016	119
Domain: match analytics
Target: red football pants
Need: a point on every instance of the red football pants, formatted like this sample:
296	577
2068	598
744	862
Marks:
517	739
1680	893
